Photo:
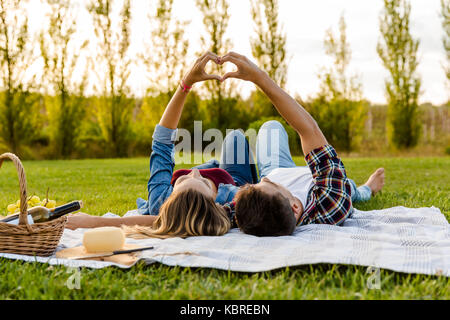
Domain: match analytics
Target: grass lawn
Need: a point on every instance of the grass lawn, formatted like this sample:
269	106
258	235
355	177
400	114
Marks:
114	185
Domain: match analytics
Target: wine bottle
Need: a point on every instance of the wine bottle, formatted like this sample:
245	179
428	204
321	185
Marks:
43	214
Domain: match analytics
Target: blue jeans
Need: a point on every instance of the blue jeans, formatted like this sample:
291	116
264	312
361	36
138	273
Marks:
236	159
272	152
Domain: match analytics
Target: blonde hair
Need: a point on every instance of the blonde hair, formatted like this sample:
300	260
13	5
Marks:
184	214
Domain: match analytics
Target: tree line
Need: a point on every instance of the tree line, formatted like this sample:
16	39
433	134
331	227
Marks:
45	111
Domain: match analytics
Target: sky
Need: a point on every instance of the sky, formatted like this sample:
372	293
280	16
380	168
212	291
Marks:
305	23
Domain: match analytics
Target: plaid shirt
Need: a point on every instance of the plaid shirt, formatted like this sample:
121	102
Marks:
230	208
329	200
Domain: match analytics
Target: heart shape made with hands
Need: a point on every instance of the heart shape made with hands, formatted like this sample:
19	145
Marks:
198	73
225	69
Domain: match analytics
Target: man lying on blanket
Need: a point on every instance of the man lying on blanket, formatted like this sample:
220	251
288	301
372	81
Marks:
286	196
289	195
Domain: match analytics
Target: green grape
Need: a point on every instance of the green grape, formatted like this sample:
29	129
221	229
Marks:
35	200
11	208
51	204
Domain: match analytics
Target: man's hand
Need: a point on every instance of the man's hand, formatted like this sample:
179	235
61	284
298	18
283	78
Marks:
297	117
197	72
81	220
247	70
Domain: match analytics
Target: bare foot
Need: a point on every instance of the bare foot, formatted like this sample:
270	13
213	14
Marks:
376	181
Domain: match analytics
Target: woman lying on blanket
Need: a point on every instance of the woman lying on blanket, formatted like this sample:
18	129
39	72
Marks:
186	202
200	201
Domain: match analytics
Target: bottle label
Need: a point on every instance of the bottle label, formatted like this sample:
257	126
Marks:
16	221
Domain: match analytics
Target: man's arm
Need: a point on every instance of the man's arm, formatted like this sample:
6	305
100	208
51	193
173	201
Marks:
297	117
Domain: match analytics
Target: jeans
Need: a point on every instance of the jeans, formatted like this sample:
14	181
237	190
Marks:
272	152
237	159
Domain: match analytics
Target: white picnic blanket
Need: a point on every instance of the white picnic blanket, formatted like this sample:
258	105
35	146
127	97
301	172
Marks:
400	239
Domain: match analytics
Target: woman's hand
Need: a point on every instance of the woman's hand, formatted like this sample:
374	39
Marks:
81	220
172	114
247	70
197	72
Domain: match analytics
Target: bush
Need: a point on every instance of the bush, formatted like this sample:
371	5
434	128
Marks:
20	120
342	121
65	116
404	125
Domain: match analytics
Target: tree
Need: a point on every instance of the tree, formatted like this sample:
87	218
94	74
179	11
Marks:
339	108
61	55
165	59
114	108
269	44
445	13
17	117
398	52
335	81
269	49
215	20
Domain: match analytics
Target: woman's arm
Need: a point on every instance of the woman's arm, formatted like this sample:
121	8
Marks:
299	119
173	111
83	220
161	159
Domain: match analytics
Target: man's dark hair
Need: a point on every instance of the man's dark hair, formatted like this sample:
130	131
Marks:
261	214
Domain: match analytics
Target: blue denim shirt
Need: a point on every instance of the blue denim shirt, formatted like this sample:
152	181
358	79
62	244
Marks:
162	163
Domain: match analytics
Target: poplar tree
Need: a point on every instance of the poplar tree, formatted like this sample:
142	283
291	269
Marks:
398	52
215	20
114	107
17	117
339	108
269	43
165	61
445	14
165	57
60	55
269	49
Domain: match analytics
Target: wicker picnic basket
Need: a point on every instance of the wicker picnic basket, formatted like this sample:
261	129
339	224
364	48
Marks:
39	239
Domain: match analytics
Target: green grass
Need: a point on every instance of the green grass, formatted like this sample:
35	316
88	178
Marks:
114	185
